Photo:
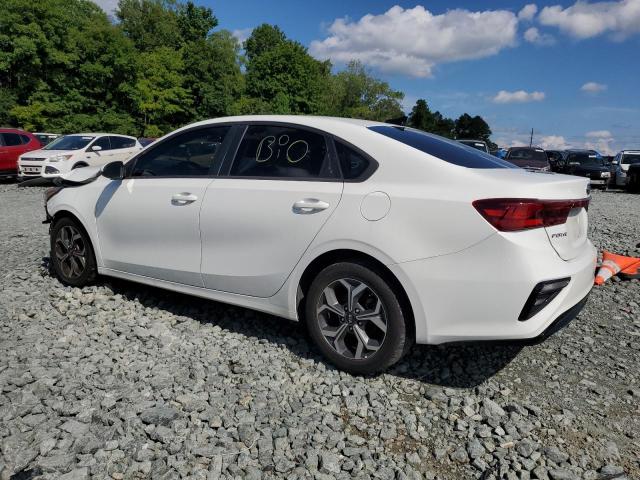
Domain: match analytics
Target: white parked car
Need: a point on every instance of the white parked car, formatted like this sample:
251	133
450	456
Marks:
73	151
621	163
375	235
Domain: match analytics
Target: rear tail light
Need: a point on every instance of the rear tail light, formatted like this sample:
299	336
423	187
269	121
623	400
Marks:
514	214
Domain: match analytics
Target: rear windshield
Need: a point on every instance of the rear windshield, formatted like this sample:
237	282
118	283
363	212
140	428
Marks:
585	159
629	158
448	150
528	157
69	142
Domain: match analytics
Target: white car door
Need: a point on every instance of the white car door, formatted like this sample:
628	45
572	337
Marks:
148	223
257	221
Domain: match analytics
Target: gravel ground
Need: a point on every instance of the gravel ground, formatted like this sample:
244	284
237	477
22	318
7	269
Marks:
125	381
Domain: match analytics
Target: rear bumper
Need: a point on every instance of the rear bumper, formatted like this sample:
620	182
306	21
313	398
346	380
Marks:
479	293
8	173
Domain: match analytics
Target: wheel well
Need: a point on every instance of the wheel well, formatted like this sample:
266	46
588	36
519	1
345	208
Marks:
336	256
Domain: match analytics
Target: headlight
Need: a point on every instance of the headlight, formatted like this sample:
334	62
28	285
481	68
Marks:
605	175
59	158
49	193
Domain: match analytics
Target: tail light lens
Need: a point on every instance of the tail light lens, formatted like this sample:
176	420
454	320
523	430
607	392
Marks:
514	214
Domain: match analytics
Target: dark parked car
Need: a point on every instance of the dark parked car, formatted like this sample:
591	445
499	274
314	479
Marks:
477	144
587	163
555	160
13	143
531	158
633	178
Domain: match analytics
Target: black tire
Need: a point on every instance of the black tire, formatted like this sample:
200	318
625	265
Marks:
389	346
72	258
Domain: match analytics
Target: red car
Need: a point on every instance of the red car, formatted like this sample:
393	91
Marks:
13	143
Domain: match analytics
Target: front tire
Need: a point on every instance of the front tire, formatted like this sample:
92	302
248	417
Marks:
72	257
355	318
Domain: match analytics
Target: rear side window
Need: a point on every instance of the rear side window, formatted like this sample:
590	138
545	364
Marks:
122	142
275	151
449	151
25	139
353	164
12	139
188	154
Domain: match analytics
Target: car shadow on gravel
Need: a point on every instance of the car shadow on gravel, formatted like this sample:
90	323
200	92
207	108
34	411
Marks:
456	365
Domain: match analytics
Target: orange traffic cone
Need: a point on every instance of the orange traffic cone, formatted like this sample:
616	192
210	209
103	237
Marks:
612	264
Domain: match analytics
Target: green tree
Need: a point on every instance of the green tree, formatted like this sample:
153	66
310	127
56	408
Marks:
160	98
212	74
150	24
355	93
470	127
284	75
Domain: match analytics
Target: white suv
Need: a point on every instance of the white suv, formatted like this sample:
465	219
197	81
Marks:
73	151
622	161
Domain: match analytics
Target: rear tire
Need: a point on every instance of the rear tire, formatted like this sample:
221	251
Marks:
72	257
355	318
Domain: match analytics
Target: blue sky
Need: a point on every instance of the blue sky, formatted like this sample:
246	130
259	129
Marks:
570	71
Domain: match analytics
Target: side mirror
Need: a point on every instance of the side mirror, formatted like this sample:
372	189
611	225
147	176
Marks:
96	148
113	171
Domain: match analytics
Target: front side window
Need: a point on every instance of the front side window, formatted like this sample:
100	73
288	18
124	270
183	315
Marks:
122	142
188	154
103	143
12	139
282	152
447	150
69	142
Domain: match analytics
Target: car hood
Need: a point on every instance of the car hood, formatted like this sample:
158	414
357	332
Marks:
46	153
591	168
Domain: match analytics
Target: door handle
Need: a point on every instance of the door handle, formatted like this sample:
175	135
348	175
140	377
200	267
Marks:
309	205
184	198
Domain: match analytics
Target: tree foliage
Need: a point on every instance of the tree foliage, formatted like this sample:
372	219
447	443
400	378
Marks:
66	67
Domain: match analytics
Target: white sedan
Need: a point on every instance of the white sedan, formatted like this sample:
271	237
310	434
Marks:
376	236
74	151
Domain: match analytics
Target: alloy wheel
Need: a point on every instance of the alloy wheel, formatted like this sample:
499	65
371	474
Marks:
352	318
71	252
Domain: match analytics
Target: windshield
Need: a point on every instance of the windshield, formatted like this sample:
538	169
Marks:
629	158
586	159
476	144
448	150
69	142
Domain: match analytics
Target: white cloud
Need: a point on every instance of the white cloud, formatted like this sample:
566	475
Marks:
533	35
412	41
585	20
593	87
528	12
519	96
553	142
602	145
598	134
242	34
109	6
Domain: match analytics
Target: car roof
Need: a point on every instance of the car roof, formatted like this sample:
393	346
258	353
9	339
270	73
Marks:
97	135
630	151
12	130
306	120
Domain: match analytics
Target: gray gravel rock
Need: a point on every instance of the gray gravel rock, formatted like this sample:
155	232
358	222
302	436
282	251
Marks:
121	381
